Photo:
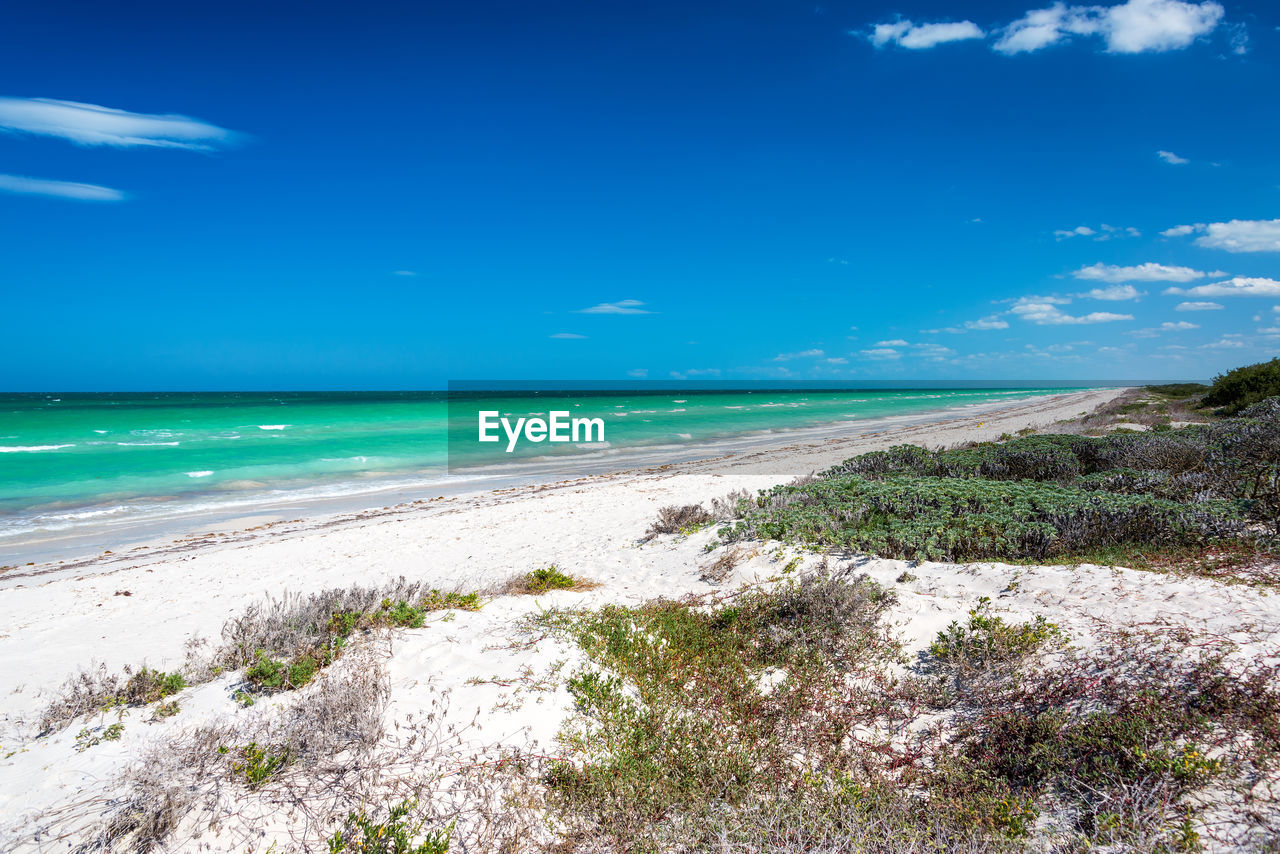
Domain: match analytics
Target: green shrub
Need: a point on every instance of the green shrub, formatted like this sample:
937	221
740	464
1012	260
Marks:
987	642
393	836
259	763
938	518
541	581
1236	389
273	674
1178	391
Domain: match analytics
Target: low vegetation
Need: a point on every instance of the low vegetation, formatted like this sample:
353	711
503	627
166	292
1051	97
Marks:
102	691
781	720
281	645
396	835
1175	496
545	580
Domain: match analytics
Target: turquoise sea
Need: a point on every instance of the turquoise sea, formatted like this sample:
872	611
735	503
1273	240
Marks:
76	461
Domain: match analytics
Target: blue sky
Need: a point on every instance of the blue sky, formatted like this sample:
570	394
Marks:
391	195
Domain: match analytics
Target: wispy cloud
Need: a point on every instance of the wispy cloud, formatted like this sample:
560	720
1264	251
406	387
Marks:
1238	235
567	335
1240	286
59	189
626	306
1197	306
1113	293
638	373
1226	342
90	124
922	36
1178	326
803	354
1136	26
1102	233
1171	158
1044	311
982	324
403	273
893	342
880	354
1148	272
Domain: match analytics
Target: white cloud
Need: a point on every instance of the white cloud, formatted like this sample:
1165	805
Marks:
1171	158
1136	26
1240	286
59	189
893	342
1101	233
1178	326
1182	230
1148	272
626	306
638	373
1078	231
837	360
933	352
1241	235
1226	342
90	124
923	36
1197	306
1044	311
403	273
567	335
803	354
982	324
881	354
985	323
1114	293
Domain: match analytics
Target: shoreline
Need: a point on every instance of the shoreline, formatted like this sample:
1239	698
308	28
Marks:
188	518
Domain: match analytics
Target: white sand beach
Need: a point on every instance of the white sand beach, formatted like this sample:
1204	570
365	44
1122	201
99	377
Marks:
146	605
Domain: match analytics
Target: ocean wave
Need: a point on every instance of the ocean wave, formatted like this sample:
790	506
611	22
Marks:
29	449
199	473
147	444
273	426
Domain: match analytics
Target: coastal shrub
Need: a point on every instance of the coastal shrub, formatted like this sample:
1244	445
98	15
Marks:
258	763
272	674
679	519
771	720
311	754
934	518
1178	391
282	643
1120	737
293	626
987	642
684	709
395	835
1238	388
99	690
541	581
1124	497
